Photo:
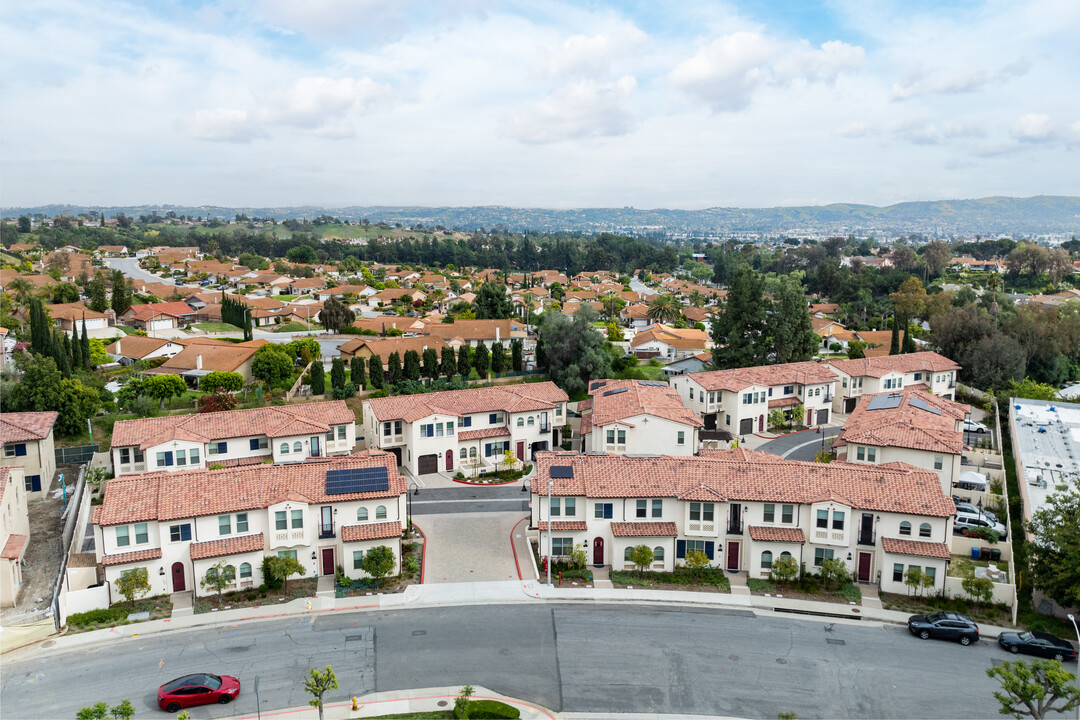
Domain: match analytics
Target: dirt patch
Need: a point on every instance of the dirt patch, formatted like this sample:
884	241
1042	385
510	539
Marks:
43	555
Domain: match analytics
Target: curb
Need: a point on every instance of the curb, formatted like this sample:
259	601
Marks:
423	552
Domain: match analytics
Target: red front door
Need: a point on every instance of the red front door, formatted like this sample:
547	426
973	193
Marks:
328	561
598	551
178	584
449	459
733	556
521	451
761	423
864	566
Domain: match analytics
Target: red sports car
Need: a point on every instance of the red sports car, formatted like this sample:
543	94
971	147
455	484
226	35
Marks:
197	689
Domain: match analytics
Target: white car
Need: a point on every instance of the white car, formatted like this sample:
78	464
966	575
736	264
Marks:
975	427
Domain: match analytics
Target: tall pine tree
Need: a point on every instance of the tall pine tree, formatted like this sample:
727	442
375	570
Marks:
793	338
740	331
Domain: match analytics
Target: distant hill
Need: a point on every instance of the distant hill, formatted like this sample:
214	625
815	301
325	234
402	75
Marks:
1044	214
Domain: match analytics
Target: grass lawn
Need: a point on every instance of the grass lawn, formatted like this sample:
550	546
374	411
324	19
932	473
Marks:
416	715
215	327
285	298
296	327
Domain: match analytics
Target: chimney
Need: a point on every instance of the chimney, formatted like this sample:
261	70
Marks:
497	333
117	347
198	362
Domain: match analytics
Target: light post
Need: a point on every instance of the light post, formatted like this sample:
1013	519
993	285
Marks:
1073	621
550	484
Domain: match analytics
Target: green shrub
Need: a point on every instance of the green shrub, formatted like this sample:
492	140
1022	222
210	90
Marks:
98	616
850	592
759	585
492	709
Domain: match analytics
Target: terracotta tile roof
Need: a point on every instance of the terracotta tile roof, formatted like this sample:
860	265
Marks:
136	346
196	493
73	311
227	546
383	347
95	515
13	548
907	426
274	422
920	548
4	470
798	373
131	557
784	402
371	531
479	329
640	398
485	433
221	358
723	475
881	366
644	529
565	525
147	310
682	339
26	426
504	398
765	533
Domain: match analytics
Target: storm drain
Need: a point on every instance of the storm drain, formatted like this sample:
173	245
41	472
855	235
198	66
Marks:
781	661
419	632
834	641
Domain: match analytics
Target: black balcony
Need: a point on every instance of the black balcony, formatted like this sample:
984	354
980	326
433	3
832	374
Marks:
326	531
868	538
734	528
544	427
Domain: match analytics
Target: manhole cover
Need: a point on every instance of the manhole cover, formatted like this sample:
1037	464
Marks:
781	661
854	610
353	638
833	641
48	643
442	703
419	632
733	658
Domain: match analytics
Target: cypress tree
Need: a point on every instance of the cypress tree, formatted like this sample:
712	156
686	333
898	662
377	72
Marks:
393	368
517	351
411	369
85	345
358	372
318	379
375	371
448	366
894	341
464	360
498	358
337	373
481	360
76	349
907	345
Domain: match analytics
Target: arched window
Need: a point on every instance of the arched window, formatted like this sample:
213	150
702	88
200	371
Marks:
785	554
626	554
361	514
521	422
230	571
464	453
380	512
297	447
924	530
905	528
766	560
245	570
658	554
472	452
284	449
532	421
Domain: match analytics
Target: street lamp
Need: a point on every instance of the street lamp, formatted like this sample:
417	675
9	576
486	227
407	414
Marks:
1073	621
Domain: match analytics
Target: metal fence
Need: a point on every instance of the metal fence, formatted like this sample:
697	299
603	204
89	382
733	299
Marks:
81	454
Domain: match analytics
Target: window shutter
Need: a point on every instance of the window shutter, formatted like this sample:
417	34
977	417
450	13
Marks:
253	444
20	450
680	548
709	547
608	511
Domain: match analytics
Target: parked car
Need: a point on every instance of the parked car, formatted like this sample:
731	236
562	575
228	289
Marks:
205	282
974	510
1039	644
197	689
965	520
944	625
975	427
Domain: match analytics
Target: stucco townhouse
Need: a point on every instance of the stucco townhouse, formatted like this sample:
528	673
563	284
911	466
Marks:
468	430
911	426
739	401
14	532
27	438
744	510
873	375
323	513
637	416
277	434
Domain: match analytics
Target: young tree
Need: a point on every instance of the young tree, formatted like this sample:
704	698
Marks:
411	368
220	400
272	364
393	368
230	381
498	358
481	360
981	589
282	567
337	373
1032	690
740	329
1054	546
379	562
318	685
358	372
784	569
431	363
642	556
164	387
696	560
218	577
375	370
517	353
913	578
461	702
834	572
448	364
318	379
133	584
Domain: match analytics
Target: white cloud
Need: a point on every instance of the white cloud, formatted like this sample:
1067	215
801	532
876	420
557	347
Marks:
590	55
220	125
1033	127
917	82
584	109
853	130
329	20
726	73
321	105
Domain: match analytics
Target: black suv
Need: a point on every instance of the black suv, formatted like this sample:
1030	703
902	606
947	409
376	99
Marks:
945	625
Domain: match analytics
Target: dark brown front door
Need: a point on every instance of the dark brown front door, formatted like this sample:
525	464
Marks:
328	561
864	566
761	423
598	551
733	556
178	584
449	459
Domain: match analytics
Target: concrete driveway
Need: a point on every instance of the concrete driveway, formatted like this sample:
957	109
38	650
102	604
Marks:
469	546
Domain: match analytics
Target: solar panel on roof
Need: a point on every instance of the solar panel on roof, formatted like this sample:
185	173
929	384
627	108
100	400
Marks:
922	405
884	402
653	383
357	480
562	471
615	392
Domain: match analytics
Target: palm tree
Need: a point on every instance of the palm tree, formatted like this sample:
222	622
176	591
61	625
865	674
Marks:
20	287
664	308
697	299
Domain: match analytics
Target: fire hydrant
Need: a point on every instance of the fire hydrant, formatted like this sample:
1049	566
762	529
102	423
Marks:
354	705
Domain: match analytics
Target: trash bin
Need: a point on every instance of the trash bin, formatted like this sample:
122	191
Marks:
974	553
995	554
984	554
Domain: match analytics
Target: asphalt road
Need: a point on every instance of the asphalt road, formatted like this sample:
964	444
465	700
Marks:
595	658
469	499
804	445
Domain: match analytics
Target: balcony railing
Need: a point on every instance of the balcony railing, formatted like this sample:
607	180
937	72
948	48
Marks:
869	538
952	384
734	528
326	531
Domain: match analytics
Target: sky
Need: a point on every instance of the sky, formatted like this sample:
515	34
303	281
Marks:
651	104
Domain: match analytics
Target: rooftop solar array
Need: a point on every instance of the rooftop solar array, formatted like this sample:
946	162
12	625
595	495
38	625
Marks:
885	402
654	383
357	480
923	405
615	392
562	471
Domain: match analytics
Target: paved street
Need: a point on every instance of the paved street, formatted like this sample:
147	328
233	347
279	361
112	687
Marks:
471	499
803	445
594	658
